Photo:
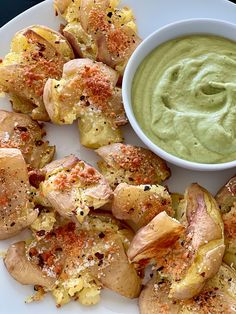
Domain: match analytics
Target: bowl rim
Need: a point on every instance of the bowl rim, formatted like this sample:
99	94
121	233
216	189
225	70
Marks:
126	94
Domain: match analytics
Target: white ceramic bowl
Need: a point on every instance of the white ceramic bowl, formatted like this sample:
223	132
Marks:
171	31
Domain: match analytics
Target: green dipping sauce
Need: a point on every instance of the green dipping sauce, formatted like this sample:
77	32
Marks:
184	98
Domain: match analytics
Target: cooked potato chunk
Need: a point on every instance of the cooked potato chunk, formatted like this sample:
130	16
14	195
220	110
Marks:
16	211
22	270
87	91
99	30
217	297
162	232
37	53
140	204
205	242
81	260
133	165
20	131
226	197
72	187
197	256
229	220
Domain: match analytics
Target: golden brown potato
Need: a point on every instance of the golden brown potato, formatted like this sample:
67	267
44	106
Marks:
197	256
217	297
72	187
133	165
100	30
16	210
89	257
140	204
20	131
87	91
37	53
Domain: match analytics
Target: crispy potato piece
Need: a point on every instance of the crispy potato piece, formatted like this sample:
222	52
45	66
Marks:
16	211
87	91
37	53
140	204
113	30
197	257
161	232
133	165
99	30
218	296
226	196
205	229
20	131
72	187
88	257
22	270
154	298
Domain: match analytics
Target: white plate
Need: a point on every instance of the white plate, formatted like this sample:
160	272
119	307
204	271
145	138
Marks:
151	14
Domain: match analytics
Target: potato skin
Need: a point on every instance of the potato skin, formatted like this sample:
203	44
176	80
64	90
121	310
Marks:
88	92
140	204
161	232
217	297
16	210
94	250
205	227
72	187
189	254
132	165
22	270
20	131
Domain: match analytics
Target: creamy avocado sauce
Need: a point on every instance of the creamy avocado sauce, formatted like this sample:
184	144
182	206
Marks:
184	98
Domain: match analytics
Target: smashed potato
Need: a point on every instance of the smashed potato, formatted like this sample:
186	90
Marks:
79	261
72	187
20	131
138	205
217	297
100	30
37	53
87	91
162	232
190	261
133	165
226	199
16	210
205	242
